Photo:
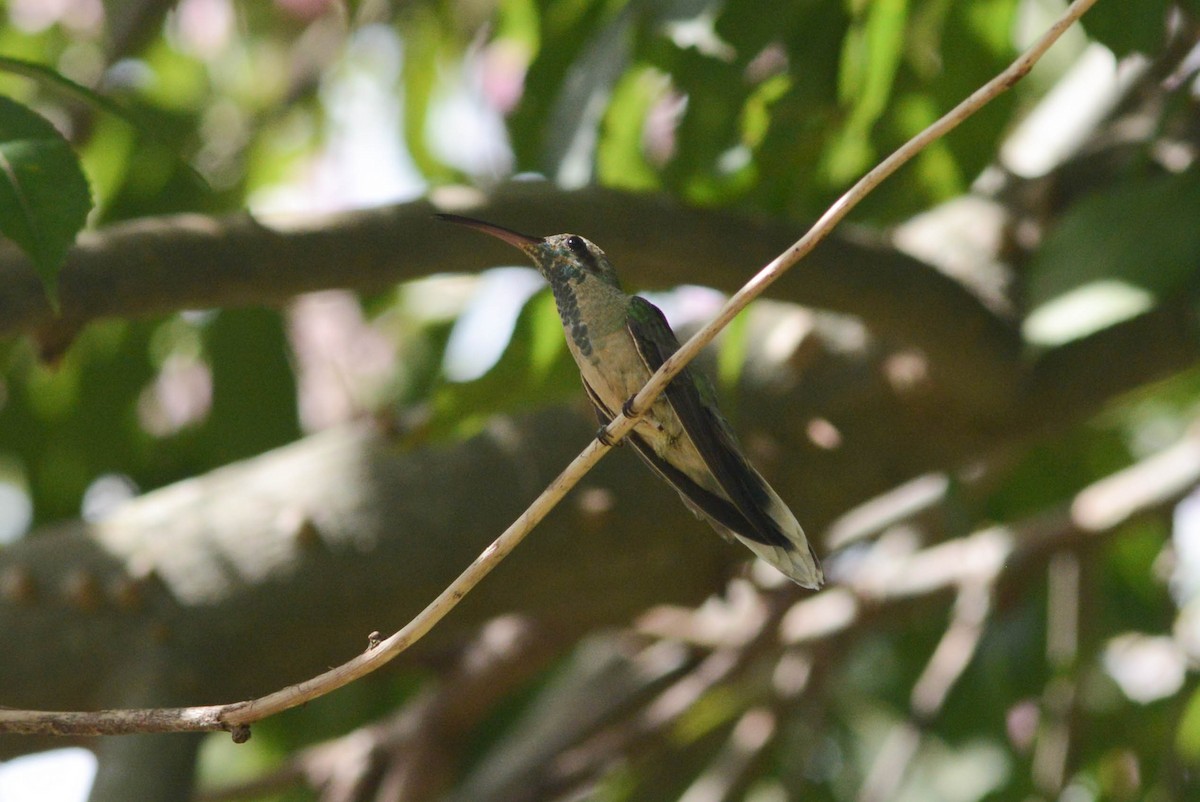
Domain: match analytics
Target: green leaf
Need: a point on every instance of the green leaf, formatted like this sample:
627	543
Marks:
423	52
145	126
1141	233
536	369
56	80
564	28
1187	736
44	197
69	423
870	58
620	156
249	348
1128	27
518	22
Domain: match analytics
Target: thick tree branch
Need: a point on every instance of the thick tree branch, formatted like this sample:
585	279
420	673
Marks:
261	571
161	265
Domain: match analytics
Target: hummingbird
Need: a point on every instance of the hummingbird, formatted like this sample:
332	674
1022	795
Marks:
618	341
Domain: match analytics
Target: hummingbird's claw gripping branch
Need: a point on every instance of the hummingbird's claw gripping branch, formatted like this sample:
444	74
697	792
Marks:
603	436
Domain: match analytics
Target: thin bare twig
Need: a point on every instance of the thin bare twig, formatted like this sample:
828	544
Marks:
411	744
237	717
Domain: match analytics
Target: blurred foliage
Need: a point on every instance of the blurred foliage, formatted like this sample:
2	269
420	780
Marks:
535	369
1127	234
215	106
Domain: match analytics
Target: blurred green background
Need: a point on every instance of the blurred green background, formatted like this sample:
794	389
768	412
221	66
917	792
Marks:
1067	209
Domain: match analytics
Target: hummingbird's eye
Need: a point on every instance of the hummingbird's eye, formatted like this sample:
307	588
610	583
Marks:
577	245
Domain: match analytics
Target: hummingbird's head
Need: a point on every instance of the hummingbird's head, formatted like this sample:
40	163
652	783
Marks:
561	258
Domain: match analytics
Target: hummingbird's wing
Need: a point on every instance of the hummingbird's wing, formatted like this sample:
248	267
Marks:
747	510
701	500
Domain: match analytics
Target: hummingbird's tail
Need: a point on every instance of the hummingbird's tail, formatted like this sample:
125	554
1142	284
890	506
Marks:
774	533
762	522
792	555
796	562
796	559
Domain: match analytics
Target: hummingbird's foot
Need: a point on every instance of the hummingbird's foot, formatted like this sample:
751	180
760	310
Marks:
627	411
602	436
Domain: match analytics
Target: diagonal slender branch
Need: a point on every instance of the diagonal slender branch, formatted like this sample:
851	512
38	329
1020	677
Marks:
838	211
237	717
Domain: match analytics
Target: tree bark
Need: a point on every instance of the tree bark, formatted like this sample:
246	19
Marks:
161	265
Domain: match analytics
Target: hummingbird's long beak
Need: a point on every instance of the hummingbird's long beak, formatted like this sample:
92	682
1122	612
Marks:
514	238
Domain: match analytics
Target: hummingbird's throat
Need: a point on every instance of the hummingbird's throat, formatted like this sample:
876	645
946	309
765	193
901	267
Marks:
572	318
